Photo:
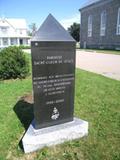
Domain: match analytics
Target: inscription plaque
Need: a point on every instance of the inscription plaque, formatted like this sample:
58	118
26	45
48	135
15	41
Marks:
53	74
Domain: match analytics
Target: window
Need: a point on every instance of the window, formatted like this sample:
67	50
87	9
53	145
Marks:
4	29
90	26
13	41
103	23
118	22
5	41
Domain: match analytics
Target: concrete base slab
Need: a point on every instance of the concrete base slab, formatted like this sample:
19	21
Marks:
37	139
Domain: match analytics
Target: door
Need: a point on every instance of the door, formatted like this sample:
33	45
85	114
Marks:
21	41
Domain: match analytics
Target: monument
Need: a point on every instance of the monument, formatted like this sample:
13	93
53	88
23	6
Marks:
53	76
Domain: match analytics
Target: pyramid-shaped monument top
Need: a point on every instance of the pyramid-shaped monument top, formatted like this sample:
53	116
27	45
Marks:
51	30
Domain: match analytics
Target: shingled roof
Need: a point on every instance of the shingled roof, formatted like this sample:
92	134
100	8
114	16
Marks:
89	3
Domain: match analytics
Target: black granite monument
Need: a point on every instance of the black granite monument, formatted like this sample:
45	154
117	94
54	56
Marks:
53	70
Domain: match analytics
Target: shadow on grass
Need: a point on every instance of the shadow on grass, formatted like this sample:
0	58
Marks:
24	112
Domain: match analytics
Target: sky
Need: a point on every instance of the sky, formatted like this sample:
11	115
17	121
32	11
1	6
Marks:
35	11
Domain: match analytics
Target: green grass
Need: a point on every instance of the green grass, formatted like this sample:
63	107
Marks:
97	100
101	51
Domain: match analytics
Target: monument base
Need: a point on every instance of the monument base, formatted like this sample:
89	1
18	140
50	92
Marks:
37	139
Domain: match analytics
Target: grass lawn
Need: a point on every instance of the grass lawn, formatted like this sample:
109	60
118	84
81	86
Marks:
101	51
97	100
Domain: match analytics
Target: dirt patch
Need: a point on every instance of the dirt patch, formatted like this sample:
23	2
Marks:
28	98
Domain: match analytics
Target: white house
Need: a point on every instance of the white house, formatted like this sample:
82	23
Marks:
13	32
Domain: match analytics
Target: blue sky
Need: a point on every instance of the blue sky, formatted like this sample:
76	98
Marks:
65	11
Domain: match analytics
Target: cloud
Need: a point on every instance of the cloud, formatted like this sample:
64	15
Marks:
69	21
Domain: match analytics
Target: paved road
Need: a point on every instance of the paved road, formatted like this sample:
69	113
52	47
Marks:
105	64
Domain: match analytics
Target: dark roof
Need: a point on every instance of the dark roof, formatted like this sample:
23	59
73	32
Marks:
51	30
89	3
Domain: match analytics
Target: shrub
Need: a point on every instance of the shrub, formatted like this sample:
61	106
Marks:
13	63
24	47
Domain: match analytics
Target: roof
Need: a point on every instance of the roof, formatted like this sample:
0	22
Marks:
89	3
15	23
51	30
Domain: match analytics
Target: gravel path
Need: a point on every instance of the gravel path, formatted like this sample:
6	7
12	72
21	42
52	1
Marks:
105	64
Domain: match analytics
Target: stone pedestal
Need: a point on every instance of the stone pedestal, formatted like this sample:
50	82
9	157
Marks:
37	139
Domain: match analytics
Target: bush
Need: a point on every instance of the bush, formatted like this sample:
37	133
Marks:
25	47
13	63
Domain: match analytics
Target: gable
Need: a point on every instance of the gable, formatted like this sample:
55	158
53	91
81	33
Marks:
14	23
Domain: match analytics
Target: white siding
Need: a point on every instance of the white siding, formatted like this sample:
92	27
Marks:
11	31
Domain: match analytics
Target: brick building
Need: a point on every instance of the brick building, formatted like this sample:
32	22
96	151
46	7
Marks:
100	24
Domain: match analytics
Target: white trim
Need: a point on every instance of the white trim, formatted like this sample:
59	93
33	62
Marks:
8	41
18	43
90	26
103	23
118	23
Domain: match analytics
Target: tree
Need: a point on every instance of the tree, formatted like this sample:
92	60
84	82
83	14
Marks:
33	29
74	30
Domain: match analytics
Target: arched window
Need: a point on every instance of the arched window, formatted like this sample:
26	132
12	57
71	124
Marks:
118	22
103	23
90	26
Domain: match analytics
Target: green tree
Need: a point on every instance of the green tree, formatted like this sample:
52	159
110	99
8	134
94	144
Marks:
74	30
33	29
